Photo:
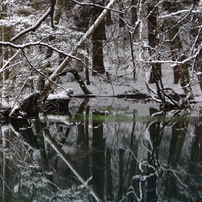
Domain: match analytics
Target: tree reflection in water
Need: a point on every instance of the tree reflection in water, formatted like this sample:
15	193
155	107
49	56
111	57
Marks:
94	158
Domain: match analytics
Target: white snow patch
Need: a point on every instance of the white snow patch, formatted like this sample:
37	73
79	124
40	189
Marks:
61	95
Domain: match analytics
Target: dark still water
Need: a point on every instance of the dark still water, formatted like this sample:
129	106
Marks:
103	150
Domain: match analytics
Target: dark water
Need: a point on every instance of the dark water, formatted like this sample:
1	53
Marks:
103	150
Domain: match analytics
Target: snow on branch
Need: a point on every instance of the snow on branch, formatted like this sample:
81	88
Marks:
174	14
34	27
97	5
42	74
52	8
27	45
67	60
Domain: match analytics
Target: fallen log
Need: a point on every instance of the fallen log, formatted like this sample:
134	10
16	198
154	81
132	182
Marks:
58	103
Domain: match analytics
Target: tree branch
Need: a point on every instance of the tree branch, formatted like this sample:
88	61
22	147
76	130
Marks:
27	45
41	73
67	60
34	27
97	5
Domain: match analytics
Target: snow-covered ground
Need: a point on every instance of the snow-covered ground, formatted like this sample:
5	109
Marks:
122	82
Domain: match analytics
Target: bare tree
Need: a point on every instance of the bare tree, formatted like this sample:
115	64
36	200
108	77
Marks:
97	38
5	37
153	42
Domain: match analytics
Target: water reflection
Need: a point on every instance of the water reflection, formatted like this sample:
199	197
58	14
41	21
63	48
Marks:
92	157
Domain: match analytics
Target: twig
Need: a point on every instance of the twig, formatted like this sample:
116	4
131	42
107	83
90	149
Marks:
97	5
41	73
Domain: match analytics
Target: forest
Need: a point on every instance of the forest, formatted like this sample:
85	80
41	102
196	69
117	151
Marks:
151	46
100	100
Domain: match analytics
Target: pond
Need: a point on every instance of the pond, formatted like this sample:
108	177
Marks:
104	149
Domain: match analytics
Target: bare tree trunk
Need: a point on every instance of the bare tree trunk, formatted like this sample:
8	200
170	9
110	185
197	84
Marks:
121	21
108	20
98	63
175	41
175	46
133	23
184	77
59	4
97	37
196	32
134	12
133	56
58	10
153	42
199	68
181	71
5	37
